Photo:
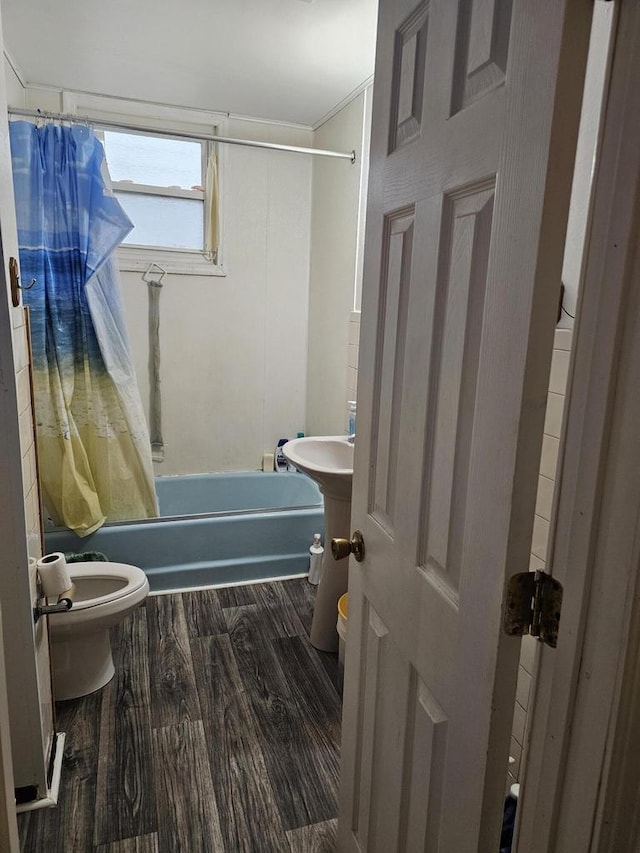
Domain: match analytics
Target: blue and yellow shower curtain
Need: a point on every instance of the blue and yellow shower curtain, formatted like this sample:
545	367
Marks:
93	441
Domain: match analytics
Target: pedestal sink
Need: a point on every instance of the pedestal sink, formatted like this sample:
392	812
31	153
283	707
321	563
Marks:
329	461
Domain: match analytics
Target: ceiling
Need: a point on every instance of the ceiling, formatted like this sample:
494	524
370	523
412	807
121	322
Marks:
287	60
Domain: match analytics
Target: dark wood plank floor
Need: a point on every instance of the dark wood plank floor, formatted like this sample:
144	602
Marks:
219	732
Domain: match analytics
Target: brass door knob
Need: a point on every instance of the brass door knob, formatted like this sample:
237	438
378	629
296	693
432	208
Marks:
341	548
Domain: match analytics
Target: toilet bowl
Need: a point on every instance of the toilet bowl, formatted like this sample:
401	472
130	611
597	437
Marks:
80	645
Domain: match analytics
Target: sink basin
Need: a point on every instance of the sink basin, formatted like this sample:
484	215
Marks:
326	459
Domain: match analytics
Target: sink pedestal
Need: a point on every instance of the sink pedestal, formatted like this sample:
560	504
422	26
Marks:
328	459
333	583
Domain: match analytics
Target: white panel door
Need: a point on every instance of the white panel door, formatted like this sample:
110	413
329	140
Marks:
475	117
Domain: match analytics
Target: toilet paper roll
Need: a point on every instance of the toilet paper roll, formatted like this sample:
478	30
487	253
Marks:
54	574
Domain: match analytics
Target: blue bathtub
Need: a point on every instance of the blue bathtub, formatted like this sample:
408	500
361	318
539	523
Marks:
214	529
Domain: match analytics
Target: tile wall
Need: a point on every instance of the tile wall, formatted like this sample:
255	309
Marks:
541	525
352	358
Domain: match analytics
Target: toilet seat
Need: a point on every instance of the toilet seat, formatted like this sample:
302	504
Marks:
117	579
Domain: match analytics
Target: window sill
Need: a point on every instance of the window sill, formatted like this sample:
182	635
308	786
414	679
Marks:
133	259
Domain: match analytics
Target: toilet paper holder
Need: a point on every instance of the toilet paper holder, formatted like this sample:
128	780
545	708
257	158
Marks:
63	604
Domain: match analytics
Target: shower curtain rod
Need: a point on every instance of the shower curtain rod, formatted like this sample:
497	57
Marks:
226	140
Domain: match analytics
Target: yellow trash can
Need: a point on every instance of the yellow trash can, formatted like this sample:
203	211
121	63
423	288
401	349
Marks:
341	627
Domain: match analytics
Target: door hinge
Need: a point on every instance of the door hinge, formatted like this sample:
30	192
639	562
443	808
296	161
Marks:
532	606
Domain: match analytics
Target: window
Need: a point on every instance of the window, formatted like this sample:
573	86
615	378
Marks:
161	183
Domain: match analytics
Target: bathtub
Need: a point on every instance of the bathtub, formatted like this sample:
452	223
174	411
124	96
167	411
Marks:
214	530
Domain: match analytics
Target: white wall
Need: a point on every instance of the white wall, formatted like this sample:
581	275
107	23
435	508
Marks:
15	89
234	349
263	352
334	238
587	140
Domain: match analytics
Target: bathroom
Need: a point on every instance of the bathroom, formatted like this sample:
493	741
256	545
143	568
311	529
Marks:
284	322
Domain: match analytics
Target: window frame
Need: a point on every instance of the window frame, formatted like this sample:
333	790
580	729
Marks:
105	113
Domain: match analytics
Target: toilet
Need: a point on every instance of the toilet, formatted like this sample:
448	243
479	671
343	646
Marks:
80	647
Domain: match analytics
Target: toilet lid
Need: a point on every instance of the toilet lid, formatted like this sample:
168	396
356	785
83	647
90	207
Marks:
99	582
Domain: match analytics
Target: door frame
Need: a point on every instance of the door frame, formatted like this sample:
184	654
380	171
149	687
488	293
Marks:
29	689
8	821
579	771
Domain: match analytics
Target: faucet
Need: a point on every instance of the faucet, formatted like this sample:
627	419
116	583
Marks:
351	438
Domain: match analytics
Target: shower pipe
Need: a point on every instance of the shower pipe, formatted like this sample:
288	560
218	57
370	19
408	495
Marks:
226	140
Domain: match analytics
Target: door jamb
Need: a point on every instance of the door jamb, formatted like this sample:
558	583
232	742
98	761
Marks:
8	821
584	705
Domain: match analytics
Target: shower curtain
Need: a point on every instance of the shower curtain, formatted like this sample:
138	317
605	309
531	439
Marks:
93	442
